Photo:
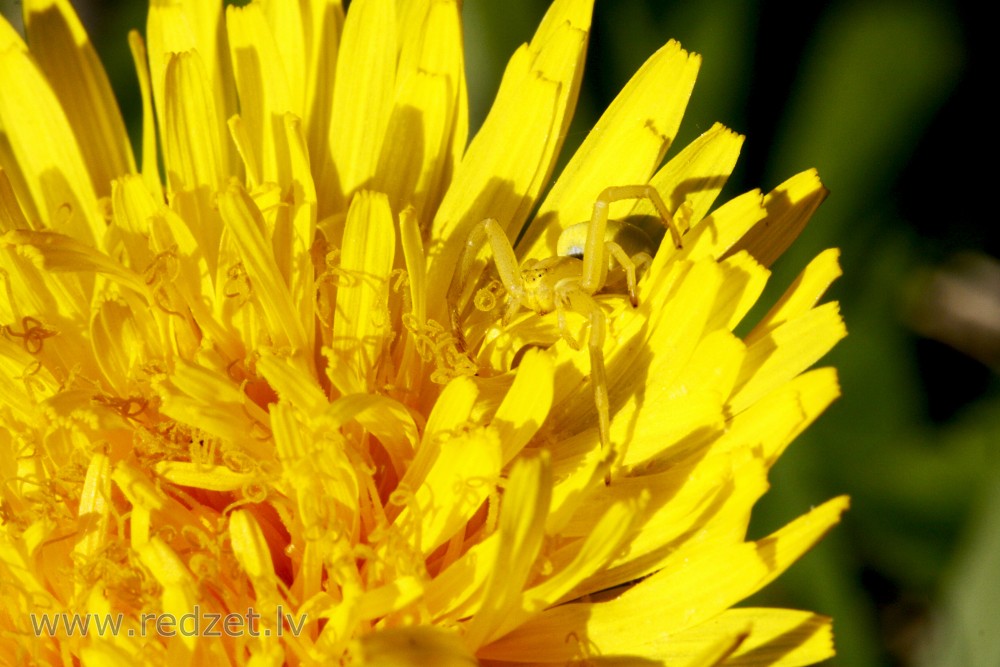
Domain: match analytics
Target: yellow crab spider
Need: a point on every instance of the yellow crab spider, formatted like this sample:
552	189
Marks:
587	253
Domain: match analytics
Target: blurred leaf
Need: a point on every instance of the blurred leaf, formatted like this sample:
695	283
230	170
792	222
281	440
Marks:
965	633
878	73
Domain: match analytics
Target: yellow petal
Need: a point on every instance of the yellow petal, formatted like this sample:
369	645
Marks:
456	484
642	621
717	233
262	83
43	158
56	252
210	402
711	237
94	510
696	175
362	98
715	651
192	146
131	209
323	21
124	339
802	295
65	55
706	501
290	378
659	349
210	478
9	37
623	148
251	551
247	229
362	325
11	215
179	588
522	522
526	405
421	120
787	351
290	26
394	596
580	559
777	637
789	207
192	25
777	418
411	371
457	592
430	81
742	284
18	566
383	417
139	489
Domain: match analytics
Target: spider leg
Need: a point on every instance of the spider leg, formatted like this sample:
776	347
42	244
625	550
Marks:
489	232
618	193
627	263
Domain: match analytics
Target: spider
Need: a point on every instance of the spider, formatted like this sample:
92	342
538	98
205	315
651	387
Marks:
591	257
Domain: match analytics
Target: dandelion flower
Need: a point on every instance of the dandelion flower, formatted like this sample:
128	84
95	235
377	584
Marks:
258	410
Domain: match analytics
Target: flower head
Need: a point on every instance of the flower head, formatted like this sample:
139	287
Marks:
294	382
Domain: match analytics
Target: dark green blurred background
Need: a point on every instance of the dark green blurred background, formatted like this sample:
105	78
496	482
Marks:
880	98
